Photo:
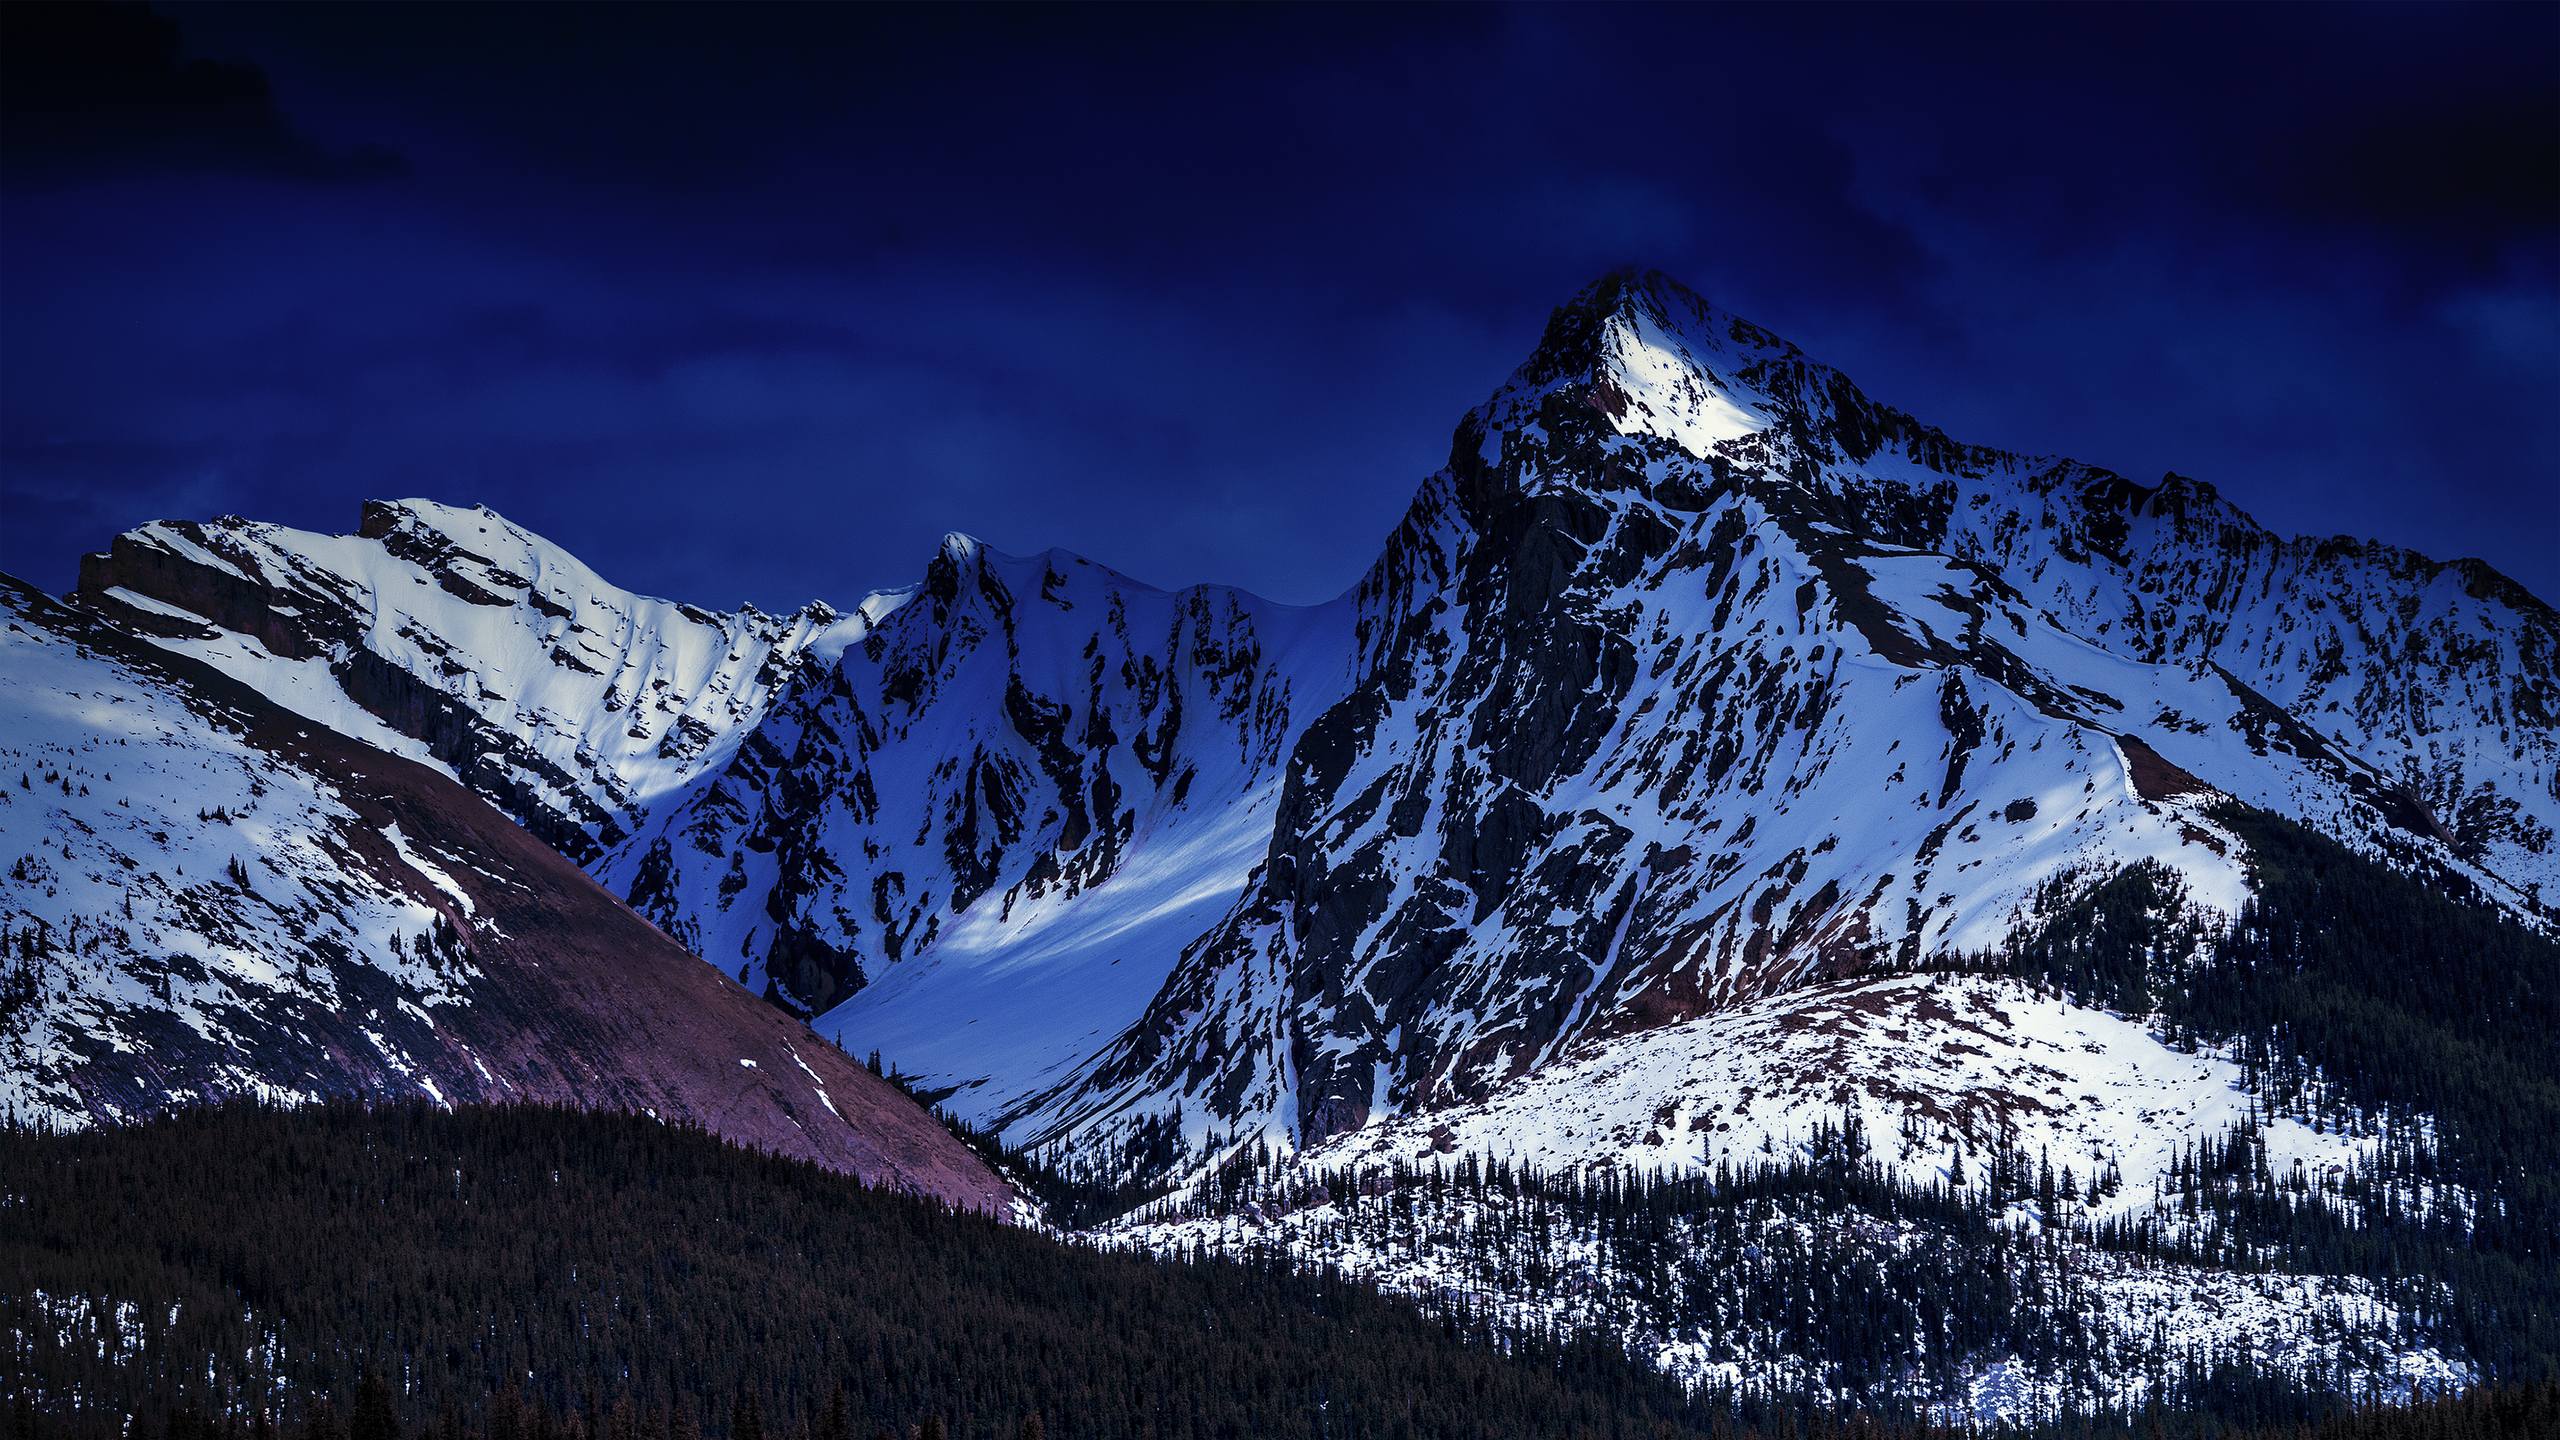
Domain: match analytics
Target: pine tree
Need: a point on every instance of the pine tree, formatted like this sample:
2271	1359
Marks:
374	1415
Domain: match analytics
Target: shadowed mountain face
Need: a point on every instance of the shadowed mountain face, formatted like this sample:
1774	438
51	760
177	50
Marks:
1695	677
213	896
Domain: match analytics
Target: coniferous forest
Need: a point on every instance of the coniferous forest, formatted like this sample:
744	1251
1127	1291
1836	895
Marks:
2358	997
489	1264
343	1273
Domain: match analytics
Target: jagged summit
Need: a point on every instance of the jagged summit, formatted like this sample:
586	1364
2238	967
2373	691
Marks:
1052	718
1663	361
1650	354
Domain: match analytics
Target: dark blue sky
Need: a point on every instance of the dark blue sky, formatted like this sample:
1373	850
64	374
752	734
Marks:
755	304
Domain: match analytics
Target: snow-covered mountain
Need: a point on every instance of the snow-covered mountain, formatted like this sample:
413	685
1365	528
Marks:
209	897
1695	677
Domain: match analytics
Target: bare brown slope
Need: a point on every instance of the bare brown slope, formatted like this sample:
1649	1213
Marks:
575	999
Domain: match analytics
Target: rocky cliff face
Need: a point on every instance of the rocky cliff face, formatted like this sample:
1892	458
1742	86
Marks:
209	896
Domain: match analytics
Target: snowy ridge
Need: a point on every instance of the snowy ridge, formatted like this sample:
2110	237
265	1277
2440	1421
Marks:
1695	677
455	637
1930	1065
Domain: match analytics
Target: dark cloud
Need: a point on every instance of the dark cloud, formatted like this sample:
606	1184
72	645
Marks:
102	88
2473	176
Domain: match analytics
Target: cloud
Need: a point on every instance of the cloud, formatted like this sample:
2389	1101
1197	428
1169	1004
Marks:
92	90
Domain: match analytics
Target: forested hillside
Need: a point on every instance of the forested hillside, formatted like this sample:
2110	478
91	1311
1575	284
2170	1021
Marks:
2376	1214
484	1265
339	1273
2355	995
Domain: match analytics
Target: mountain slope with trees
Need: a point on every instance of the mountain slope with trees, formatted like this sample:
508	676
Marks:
242	1261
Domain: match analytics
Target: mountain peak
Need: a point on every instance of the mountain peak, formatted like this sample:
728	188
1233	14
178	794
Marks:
383	517
1662	363
1672	367
1652	356
956	565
